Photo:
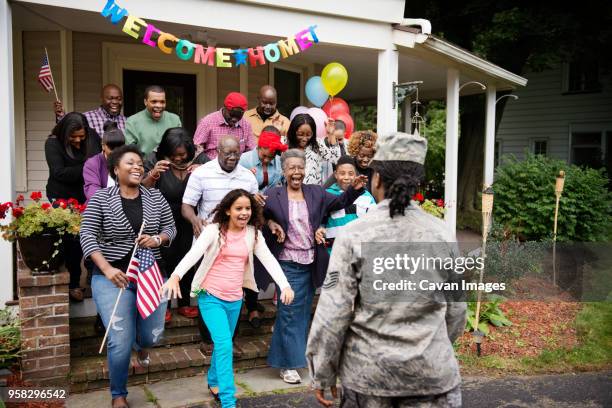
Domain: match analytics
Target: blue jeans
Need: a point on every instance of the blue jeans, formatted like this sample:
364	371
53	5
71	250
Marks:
129	330
221	317
288	347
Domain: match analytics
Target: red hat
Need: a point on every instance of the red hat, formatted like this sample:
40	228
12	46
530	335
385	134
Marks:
235	100
272	141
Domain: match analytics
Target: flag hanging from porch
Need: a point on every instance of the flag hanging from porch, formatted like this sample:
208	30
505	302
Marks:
44	76
146	274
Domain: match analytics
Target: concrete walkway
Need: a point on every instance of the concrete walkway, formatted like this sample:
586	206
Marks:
263	388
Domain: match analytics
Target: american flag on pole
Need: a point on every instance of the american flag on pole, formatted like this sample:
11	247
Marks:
145	273
44	76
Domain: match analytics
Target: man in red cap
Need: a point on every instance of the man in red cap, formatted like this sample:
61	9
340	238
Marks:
226	121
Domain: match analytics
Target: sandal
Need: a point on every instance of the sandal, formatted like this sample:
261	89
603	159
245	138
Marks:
143	362
215	395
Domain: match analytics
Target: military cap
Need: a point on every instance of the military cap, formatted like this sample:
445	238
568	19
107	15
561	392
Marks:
401	146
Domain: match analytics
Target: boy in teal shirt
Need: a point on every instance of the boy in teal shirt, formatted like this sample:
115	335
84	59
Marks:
345	173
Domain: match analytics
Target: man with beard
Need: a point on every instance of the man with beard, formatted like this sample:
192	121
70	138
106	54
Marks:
145	128
228	120
109	110
265	114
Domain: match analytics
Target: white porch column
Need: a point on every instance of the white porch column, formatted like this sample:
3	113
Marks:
489	153
452	149
7	153
386	113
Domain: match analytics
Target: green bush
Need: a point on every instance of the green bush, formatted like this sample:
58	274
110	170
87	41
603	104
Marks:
525	200
10	338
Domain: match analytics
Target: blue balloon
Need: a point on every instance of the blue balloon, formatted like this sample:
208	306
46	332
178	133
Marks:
315	91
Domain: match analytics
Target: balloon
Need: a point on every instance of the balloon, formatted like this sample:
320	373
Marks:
335	106
348	121
315	92
297	111
334	78
319	117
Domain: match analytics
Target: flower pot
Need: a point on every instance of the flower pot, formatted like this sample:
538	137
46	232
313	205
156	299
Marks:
38	249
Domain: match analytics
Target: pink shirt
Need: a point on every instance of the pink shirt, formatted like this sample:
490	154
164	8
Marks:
213	126
224	279
299	240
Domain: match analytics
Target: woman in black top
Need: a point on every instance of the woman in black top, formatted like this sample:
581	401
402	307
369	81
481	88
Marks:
168	170
70	144
109	230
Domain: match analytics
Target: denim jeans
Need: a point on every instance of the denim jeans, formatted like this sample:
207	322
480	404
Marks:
288	347
221	317
128	330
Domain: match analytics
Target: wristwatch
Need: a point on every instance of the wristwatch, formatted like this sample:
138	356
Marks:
157	239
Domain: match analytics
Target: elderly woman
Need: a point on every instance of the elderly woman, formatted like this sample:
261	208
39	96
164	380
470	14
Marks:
109	229
168	170
302	134
294	213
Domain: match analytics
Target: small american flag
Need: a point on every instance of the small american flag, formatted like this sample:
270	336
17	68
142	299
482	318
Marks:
145	273
44	76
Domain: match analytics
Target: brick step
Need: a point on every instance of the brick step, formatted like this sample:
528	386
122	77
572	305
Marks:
170	362
89	346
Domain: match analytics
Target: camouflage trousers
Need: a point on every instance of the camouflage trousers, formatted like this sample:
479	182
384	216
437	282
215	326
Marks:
352	399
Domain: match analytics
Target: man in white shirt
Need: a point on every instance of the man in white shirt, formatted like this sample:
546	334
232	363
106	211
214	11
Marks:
209	183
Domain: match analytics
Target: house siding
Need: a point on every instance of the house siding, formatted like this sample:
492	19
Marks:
258	77
39	117
544	112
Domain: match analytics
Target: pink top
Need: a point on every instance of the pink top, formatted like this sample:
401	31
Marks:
299	240
224	279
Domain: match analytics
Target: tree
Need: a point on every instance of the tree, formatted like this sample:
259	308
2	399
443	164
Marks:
519	36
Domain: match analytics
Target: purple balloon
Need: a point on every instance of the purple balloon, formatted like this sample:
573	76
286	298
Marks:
319	117
297	111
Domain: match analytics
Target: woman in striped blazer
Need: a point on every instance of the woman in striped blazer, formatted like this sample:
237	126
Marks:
109	231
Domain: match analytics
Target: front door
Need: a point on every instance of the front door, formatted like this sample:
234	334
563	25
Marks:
180	93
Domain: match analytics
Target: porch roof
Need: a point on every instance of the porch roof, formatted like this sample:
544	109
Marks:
421	57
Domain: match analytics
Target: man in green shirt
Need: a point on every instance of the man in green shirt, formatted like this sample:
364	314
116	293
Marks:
145	128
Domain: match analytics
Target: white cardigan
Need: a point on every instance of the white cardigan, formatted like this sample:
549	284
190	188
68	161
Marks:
208	245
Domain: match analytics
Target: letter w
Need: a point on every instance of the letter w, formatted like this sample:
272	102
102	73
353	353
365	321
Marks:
113	10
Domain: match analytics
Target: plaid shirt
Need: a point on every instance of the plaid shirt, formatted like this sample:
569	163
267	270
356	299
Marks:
97	117
213	126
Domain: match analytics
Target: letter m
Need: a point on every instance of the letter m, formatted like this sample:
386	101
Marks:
288	47
115	12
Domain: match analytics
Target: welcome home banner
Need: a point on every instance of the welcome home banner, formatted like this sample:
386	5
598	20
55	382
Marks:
220	57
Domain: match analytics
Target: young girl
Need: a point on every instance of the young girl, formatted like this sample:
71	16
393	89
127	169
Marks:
228	245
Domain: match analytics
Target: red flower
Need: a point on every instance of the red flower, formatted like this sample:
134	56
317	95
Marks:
20	198
36	195
45	206
60	203
418	197
17	212
73	202
440	203
82	208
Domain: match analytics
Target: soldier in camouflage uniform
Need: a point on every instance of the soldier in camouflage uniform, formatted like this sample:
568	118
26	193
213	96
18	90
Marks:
387	354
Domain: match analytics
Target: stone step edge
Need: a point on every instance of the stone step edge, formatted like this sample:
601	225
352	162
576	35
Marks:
91	369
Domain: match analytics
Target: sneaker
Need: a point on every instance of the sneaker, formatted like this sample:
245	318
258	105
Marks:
168	316
290	376
190	312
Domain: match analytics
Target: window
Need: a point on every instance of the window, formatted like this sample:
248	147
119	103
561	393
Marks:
540	147
587	149
582	76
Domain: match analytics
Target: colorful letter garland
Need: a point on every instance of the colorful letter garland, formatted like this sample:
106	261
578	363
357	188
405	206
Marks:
219	57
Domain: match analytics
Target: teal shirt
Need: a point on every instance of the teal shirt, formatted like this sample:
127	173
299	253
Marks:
340	218
146	133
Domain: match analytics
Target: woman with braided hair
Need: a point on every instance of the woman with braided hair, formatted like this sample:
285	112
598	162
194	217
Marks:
389	353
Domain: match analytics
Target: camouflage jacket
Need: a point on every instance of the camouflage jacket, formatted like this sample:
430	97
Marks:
381	347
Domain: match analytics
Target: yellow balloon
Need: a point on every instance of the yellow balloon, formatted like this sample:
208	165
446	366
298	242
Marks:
334	78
